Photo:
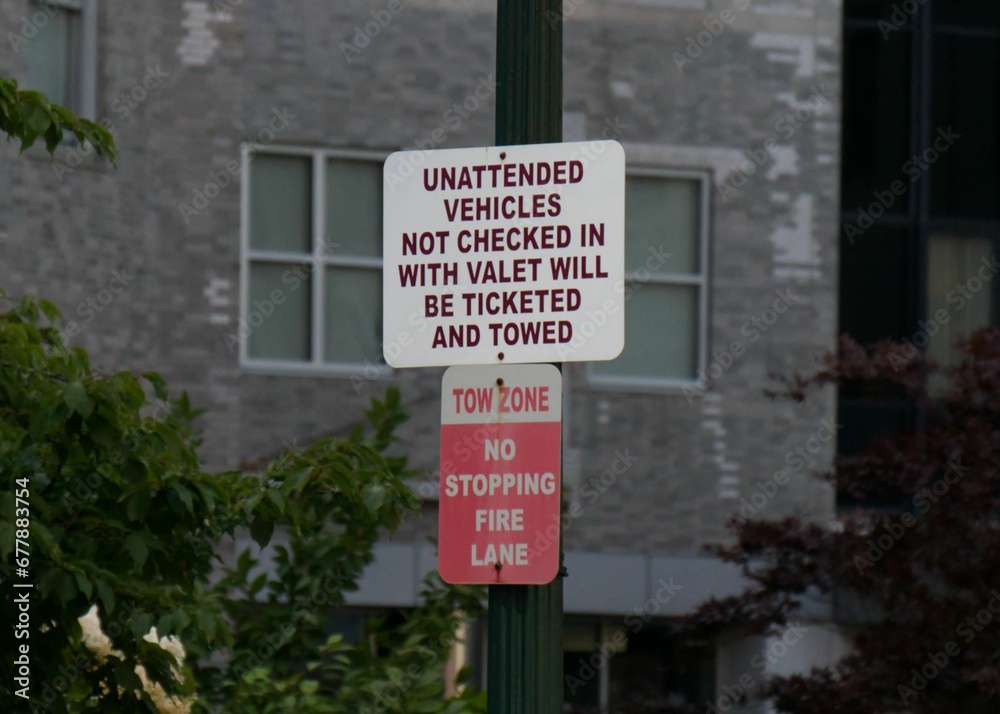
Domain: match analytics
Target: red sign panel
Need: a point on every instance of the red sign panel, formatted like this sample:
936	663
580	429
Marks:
501	434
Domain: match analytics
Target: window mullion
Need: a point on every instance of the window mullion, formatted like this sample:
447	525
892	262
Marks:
319	240
244	249
88	59
280	256
354	262
921	120
667	279
704	257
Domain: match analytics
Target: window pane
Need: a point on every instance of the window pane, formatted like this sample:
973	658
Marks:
52	52
965	182
955	285
353	315
580	641
662	216
653	667
876	116
863	419
879	263
278	313
970	13
354	208
280	201
661	334
870	9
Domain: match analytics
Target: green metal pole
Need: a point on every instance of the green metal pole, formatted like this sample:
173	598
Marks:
524	656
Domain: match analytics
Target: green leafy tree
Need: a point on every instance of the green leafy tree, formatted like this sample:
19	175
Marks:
322	511
102	504
105	510
28	115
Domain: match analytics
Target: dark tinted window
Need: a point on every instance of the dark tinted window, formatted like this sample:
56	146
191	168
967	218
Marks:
965	181
972	13
876	121
653	671
862	419
875	10
875	280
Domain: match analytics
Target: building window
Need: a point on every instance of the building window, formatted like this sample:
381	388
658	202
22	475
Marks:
666	292
963	292
60	54
921	109
312	261
608	667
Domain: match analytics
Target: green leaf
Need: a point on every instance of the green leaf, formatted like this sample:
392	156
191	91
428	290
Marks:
102	431
126	677
138	505
142	624
158	383
258	584
76	398
106	595
374	497
27	114
67	588
53	137
261	530
133	470
84	585
135	544
37	118
277	498
185	496
207	493
427	707
244	562
43	536
49	310
206	623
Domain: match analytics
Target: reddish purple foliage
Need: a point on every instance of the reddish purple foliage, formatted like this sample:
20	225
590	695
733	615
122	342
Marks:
908	582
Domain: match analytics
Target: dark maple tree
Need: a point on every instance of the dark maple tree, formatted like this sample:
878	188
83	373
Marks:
913	567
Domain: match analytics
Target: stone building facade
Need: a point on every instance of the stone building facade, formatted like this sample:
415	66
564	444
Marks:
729	113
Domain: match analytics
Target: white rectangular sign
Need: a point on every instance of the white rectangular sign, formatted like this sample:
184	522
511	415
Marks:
505	254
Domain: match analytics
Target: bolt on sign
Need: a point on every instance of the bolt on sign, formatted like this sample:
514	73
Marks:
506	254
501	434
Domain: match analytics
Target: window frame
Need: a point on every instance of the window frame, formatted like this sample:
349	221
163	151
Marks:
702	281
82	83
319	261
865	416
88	59
962	232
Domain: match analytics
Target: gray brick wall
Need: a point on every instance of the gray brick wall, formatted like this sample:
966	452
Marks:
230	66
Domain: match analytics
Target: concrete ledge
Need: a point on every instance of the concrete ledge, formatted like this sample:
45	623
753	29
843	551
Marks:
602	584
697	580
598	583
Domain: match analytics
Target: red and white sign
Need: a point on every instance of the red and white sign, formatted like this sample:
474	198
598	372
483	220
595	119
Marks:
505	254
501	440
